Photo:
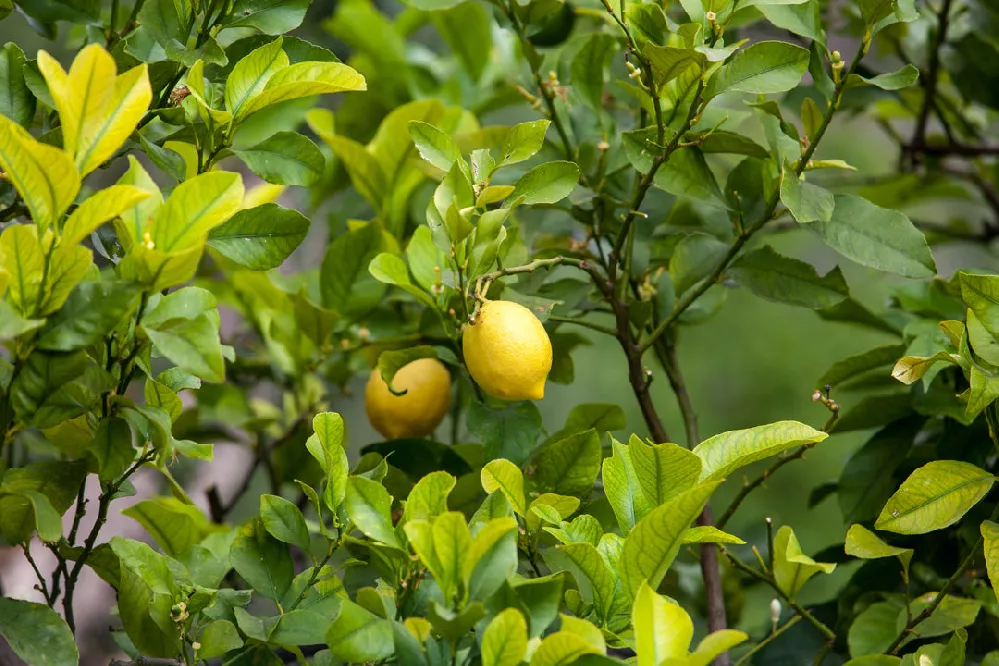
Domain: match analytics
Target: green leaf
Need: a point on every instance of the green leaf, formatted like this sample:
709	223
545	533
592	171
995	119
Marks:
43	175
952	614
686	174
669	62
761	69
365	172
663	470
357	636
467	30
655	541
434	145
192	344
694	259
391	269
504	642
37	634
569	466
588	69
102	206
326	446
268	16
546	183
792	568
174	525
709	534
780	279
720	141
491	559
428	498
194	208
865	544
284	521
663	630
602	417
990	535
285	158
16	101
52	388
369	505
981	294
876	237
857	365
726	452
217	638
92	310
897	80
112	446
250	74
346	262
523	141
873	630
867	478
934	496
303	79
510	432
594	579
875	660
806	202
506	477
263	561
623	488
260	238
560	648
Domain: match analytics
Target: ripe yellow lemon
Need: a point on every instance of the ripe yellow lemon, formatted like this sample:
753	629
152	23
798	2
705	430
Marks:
508	352
416	413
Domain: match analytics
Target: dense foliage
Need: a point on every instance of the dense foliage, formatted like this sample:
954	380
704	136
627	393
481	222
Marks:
661	144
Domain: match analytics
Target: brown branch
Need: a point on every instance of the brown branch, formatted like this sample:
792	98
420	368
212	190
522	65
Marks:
932	75
949	149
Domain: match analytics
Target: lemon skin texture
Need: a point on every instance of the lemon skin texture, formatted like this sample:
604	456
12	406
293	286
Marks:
507	351
417	413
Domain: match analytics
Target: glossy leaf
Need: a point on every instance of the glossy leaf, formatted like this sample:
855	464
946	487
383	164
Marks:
284	521
37	634
285	158
546	183
504	642
761	69
877	238
934	496
726	452
655	541
785	280
260	238
569	466
506	477
792	568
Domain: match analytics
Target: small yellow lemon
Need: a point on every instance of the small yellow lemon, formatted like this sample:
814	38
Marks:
508	352
421	409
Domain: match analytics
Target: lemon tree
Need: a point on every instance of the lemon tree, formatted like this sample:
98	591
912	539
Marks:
513	231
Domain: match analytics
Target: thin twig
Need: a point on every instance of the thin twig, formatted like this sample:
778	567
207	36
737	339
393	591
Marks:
826	632
744	659
42	585
914	622
932	74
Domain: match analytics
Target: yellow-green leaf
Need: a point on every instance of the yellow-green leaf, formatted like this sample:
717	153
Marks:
43	175
728	451
303	79
196	86
98	209
136	219
561	649
23	260
792	568
663	630
865	544
194	208
98	108
504	642
653	544
709	534
503	475
934	496
250	75
990	533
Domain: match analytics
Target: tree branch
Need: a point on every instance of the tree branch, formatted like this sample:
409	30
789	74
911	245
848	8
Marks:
932	75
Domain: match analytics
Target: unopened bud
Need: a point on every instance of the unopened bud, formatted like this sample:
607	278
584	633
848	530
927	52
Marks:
775	609
835	56
710	16
817	395
196	645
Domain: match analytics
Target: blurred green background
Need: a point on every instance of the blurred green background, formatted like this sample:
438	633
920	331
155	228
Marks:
754	363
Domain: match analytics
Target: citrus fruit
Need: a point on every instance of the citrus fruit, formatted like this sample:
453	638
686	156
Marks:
417	412
507	351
